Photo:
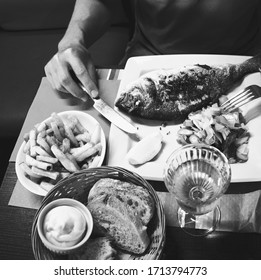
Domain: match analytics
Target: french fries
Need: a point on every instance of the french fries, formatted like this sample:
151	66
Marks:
58	147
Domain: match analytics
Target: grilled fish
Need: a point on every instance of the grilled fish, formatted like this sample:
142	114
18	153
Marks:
172	95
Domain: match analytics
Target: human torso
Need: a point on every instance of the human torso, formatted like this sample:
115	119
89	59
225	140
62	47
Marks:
195	26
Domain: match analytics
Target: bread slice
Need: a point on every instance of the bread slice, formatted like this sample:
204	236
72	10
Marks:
125	229
96	249
137	198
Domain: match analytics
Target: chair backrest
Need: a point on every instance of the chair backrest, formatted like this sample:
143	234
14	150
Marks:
35	15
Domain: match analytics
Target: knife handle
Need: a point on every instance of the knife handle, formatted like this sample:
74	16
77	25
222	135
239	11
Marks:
79	83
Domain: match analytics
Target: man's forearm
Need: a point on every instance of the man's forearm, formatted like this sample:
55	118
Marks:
89	21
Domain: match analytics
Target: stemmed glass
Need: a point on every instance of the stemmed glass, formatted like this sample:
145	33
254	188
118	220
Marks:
198	175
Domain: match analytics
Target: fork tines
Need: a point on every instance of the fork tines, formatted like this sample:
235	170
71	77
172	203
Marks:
238	100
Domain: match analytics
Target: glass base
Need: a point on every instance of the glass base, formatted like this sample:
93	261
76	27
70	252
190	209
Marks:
199	225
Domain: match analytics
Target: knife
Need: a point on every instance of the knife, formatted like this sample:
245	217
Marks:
115	118
109	113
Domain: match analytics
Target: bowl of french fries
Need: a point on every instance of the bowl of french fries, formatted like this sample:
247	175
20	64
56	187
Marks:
62	144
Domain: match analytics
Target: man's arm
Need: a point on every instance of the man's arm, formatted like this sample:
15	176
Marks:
89	21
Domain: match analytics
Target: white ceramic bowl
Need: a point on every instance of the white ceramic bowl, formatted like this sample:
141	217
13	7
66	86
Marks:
87	121
84	212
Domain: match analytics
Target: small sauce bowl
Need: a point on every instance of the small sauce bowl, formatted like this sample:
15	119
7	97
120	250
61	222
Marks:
48	218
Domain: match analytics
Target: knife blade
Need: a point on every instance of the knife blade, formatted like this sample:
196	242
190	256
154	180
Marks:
115	118
108	112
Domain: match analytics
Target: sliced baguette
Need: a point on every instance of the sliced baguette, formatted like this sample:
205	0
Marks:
126	230
96	249
136	198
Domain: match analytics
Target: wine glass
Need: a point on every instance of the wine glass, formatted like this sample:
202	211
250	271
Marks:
198	175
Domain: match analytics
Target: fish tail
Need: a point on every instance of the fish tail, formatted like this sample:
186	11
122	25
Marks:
253	64
249	66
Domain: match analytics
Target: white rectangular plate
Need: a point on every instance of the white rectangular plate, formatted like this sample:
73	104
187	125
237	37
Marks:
120	142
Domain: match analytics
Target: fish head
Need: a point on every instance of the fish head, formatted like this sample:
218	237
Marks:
130	99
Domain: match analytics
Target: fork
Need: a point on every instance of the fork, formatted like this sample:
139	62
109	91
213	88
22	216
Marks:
241	98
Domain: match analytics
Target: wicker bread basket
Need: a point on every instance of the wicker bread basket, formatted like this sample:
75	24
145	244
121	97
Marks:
78	185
